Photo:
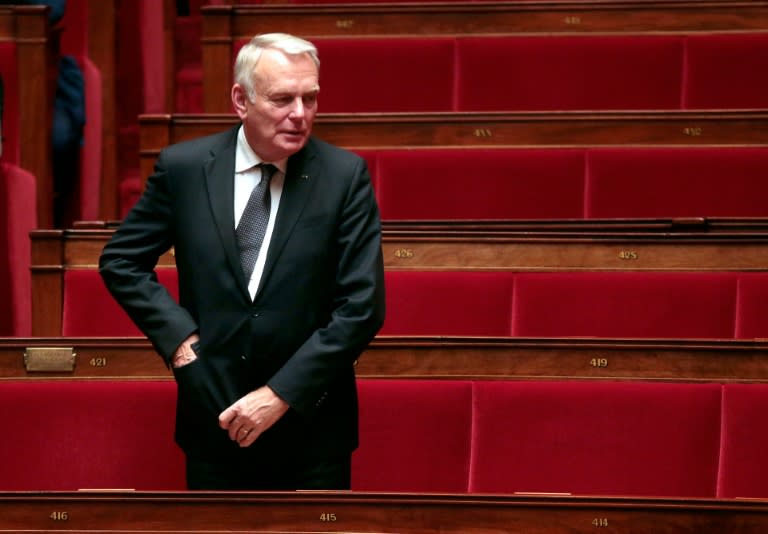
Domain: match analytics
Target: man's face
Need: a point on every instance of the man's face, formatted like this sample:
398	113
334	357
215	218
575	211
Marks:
278	121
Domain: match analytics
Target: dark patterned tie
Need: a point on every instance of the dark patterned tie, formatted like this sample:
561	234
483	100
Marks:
253	222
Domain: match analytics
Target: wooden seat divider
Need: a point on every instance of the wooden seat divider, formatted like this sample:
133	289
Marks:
27	64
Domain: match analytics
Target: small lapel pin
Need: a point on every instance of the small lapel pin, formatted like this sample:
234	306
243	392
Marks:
305	177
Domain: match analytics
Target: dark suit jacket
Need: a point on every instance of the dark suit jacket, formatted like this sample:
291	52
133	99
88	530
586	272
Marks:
320	302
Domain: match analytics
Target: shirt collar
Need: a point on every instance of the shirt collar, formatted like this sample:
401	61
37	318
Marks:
246	158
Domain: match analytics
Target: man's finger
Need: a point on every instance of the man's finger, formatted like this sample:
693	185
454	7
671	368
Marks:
227	417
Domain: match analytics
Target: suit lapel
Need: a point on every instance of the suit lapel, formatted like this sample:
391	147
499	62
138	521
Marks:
219	171
296	192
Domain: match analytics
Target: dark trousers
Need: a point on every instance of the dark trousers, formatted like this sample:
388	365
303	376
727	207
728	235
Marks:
269	474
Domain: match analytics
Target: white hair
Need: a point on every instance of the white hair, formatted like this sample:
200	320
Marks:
249	55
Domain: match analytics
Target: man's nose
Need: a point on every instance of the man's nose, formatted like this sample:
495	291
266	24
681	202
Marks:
297	109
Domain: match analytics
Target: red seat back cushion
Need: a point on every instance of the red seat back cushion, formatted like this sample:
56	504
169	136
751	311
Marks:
751	316
385	75
371	157
89	309
18	217
744	462
447	303
624	304
598	438
90	155
726	71
10	119
481	184
71	435
528	73
371	75
677	182
414	436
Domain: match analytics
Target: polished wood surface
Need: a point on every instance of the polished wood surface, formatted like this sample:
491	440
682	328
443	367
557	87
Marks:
224	26
447	357
314	512
28	28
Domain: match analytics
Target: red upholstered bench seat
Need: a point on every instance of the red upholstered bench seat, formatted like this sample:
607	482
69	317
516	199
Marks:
676	182
18	216
751	318
743	458
508	183
71	435
625	304
569	72
502	184
89	309
414	436
726	71
595	438
454	303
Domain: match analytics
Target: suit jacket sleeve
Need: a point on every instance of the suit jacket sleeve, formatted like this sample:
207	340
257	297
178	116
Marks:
127	266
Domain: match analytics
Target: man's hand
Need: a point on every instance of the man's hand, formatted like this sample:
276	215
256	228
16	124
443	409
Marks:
253	414
185	354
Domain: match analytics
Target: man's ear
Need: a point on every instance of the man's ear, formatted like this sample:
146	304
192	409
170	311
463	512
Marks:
239	98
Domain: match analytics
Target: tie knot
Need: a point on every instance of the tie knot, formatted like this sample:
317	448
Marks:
267	171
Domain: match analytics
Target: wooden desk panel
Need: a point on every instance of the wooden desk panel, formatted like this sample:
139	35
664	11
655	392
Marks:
224	26
314	512
447	358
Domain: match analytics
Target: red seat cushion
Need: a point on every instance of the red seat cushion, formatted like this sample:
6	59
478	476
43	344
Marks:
569	72
371	157
598	438
18	217
414	436
624	304
726	71
751	316
71	435
451	303
90	156
89	309
481	184
385	75
743	458
677	182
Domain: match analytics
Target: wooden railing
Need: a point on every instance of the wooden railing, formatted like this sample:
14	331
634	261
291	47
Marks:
428	357
371	512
